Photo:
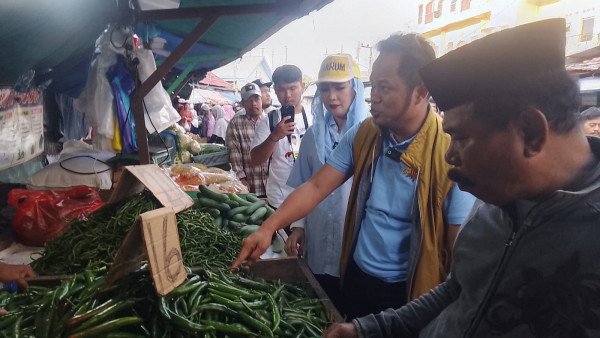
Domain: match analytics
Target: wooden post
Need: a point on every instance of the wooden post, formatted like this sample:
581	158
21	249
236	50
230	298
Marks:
137	97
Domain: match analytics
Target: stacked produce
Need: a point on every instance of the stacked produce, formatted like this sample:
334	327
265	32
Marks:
208	303
93	243
234	212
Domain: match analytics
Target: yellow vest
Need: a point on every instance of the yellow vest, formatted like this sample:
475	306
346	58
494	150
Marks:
425	156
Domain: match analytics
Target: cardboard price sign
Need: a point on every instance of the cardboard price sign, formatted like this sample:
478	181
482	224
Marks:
159	229
156	229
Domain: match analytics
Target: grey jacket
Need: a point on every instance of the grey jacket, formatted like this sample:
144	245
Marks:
528	270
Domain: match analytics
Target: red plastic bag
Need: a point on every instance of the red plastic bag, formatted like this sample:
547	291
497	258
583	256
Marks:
43	214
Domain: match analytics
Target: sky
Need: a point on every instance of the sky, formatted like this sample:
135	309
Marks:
338	27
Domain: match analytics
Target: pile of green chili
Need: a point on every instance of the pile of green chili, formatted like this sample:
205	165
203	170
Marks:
209	304
93	243
205	244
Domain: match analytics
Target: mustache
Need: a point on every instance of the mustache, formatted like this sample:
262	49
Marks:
459	178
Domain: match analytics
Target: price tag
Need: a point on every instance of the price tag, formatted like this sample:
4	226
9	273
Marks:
161	238
158	230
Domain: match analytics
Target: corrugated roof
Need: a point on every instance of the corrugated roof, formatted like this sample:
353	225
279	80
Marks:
212	80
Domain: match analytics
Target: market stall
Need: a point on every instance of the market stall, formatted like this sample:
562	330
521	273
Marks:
149	259
110	272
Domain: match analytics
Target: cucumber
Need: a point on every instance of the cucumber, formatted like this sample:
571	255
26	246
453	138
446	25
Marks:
238	199
232	204
254	206
248	229
233	225
237	210
258	215
212	194
252	198
270	211
239	217
225	222
214	212
207	202
218	221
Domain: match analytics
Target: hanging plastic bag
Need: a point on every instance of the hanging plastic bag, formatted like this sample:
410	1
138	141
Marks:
43	214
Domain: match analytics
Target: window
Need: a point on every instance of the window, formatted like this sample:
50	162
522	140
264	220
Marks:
429	12
465	4
438	10
420	13
450	46
587	29
453	6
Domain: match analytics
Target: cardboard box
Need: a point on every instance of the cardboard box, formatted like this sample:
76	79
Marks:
154	236
294	271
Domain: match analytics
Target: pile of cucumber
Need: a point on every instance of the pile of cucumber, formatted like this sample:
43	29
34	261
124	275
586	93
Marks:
233	211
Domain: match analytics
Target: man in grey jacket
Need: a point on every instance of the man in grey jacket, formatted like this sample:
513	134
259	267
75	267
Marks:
526	260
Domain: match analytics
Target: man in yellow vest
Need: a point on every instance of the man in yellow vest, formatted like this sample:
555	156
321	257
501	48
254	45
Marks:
526	259
403	212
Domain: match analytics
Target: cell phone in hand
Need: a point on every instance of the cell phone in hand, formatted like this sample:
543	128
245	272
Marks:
288	111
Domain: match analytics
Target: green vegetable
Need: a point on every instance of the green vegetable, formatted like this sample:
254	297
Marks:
207	202
252	198
254	206
247	230
257	216
241	201
213	195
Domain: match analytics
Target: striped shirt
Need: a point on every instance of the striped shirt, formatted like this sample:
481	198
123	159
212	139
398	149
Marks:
239	140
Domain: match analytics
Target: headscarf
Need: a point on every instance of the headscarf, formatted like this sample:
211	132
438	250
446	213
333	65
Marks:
228	112
218	112
358	111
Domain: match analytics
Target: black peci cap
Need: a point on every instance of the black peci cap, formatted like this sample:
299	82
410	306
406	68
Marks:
496	62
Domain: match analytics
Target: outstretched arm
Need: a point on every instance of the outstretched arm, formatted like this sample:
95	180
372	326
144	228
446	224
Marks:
297	205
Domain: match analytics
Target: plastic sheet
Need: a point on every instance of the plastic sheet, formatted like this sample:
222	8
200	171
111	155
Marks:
42	215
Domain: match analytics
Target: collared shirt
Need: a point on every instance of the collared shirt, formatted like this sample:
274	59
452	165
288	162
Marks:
240	134
282	158
382	247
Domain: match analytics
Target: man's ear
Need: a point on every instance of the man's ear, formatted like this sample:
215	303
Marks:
421	93
535	130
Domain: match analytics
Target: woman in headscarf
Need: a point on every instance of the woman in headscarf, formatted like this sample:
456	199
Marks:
338	105
218	135
229	113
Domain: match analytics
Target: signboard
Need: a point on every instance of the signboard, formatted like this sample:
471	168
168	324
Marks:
21	126
154	236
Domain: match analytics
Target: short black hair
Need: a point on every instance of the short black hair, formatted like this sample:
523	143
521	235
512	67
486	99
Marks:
555	93
590	114
414	51
287	74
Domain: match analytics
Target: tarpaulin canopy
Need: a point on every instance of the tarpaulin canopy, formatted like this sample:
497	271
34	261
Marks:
56	38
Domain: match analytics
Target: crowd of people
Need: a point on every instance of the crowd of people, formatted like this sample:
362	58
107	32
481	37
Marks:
466	204
472	215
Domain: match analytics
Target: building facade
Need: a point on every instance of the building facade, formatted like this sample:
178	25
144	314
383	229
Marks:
449	24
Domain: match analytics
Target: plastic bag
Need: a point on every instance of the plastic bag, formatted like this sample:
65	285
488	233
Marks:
43	214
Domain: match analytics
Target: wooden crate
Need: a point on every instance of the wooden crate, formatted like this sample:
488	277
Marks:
294	271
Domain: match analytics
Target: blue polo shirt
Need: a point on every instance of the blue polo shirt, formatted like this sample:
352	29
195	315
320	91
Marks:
382	247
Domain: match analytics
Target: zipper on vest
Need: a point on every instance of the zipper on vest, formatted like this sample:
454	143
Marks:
494	284
415	261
